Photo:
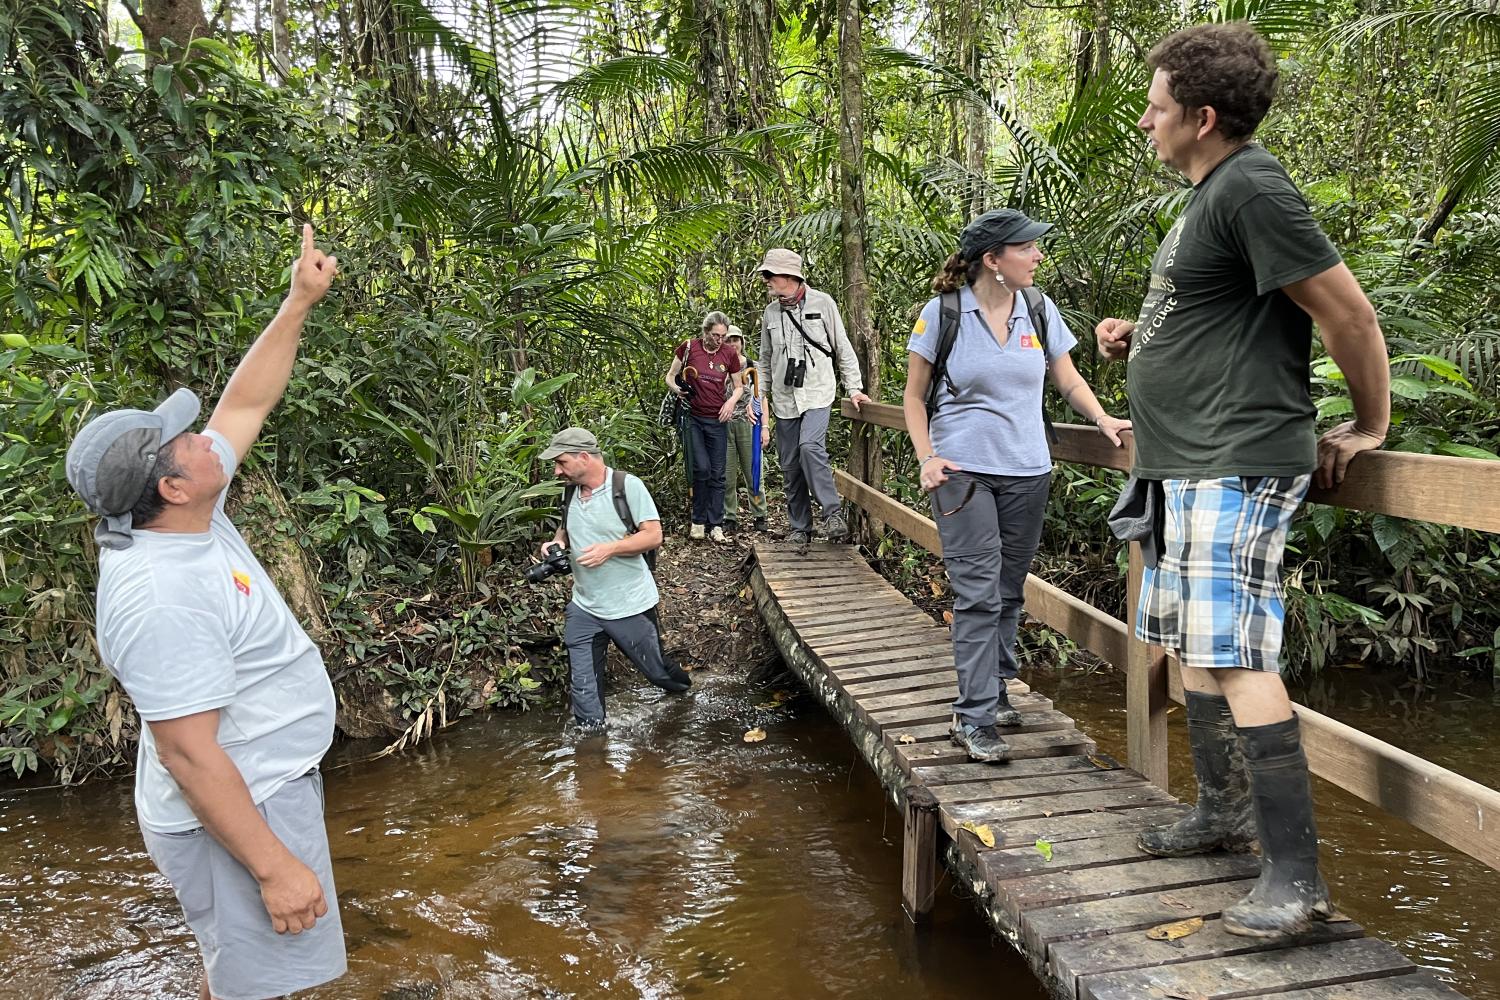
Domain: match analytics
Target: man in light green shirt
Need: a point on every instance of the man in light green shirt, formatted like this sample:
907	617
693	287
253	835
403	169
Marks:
614	593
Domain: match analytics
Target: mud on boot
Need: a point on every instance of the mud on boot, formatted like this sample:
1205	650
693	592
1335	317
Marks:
1290	895
982	743
835	528
1006	715
1223	819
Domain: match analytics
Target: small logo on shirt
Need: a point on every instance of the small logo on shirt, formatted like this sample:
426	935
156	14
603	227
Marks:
242	582
1030	342
919	328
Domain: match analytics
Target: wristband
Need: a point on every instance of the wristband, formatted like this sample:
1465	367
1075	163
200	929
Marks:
928	459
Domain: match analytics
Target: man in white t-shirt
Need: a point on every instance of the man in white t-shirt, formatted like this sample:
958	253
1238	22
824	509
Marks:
237	705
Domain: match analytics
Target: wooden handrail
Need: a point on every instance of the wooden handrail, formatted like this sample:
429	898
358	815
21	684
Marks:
1435	488
1456	810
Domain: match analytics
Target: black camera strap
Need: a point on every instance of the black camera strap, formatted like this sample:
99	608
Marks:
826	352
622	509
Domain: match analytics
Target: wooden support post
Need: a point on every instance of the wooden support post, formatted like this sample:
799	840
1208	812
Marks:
919	853
1145	689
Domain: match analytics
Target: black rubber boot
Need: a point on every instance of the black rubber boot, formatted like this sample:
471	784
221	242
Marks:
1006	716
1290	894
1223	819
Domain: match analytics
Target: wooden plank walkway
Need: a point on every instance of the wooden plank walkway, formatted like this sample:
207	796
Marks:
884	669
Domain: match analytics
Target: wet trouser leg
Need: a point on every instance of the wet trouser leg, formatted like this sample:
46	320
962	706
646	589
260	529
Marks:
988	543
802	451
586	642
639	640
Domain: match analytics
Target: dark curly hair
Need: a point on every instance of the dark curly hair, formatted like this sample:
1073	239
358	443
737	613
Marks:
1227	67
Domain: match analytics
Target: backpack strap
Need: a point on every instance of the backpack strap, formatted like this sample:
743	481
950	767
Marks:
569	491
1036	308
622	508
947	336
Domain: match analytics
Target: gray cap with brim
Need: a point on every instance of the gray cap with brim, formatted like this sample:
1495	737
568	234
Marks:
571	441
110	462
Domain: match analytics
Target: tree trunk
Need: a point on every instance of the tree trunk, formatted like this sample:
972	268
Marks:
1440	214
864	454
281	39
178	21
286	562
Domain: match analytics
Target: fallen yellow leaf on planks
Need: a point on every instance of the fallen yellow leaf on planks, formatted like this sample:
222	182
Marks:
1044	848
906	738
755	735
983	832
1176	929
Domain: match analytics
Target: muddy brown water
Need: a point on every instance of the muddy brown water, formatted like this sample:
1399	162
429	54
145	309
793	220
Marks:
671	859
668	859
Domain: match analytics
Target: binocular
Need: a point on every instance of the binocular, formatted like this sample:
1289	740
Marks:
796	372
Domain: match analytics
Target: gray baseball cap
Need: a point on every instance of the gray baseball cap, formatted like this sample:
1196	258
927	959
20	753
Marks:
993	230
110	462
570	441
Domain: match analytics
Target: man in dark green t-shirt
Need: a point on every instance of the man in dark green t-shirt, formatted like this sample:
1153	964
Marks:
1219	395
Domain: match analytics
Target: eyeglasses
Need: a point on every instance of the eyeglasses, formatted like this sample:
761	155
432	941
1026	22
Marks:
968	495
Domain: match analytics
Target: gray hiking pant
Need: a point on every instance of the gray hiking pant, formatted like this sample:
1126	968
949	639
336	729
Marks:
802	450
989	540
587	639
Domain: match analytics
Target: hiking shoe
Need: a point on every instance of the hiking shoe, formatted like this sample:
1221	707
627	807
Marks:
799	537
716	534
760	524
835	528
1006	717
730	525
696	532
981	743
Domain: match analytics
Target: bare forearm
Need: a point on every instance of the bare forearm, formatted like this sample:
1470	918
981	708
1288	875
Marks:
915	408
216	792
641	541
262	375
1359	351
1083	401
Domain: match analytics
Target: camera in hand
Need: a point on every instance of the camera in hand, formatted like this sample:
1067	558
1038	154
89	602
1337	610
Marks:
556	562
796	371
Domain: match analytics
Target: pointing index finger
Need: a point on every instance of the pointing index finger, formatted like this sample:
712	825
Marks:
307	239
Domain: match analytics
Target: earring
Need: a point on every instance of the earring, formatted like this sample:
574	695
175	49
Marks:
1000	278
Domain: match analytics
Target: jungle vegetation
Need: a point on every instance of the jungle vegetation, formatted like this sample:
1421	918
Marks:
533	200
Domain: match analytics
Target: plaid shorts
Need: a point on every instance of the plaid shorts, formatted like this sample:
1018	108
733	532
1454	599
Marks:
1215	594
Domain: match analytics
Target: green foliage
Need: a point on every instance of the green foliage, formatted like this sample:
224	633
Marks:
533	200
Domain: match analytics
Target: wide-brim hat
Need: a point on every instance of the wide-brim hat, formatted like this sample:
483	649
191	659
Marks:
781	261
999	228
111	461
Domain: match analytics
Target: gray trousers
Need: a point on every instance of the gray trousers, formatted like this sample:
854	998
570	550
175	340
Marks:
988	543
802	450
587	639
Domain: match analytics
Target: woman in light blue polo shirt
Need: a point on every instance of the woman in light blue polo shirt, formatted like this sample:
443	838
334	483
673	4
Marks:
984	454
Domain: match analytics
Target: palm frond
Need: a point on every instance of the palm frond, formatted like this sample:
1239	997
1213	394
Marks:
627	76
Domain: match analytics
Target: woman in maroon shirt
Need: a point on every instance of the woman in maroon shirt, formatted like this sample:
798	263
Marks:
705	371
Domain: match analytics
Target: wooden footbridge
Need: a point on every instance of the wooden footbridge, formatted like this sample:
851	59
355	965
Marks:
1064	881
